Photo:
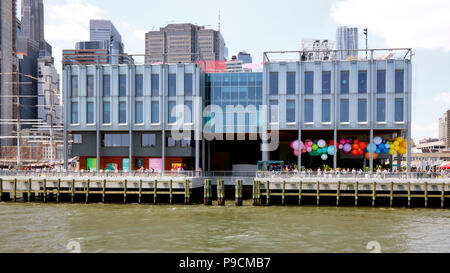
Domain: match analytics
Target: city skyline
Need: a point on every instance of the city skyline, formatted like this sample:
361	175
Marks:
430	63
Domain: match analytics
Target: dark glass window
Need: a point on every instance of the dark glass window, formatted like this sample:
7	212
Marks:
90	113
399	78
381	110
116	140
106	112
90	86
171	142
122	112
290	111
381	81
139	112
399	110
326	111
155	85
345	76
326	82
74	86
122	86
309	111
188	116
106	86
362	110
155	112
139	86
148	140
290	83
362	81
309	82
185	142
172	85
74	110
171	112
344	108
188	84
273	83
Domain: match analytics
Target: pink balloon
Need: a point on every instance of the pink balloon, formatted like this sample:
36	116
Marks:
348	140
309	149
294	145
342	142
341	146
296	152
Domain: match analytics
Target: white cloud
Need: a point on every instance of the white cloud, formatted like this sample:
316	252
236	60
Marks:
73	11
443	98
401	23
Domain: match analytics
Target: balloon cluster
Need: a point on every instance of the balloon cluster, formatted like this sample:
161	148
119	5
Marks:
348	146
314	148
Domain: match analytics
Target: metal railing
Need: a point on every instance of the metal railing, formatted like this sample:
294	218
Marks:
331	174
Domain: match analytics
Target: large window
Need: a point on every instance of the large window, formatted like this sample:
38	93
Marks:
148	140
122	86
172	85
122	112
290	111
362	110
399	110
171	116
106	86
170	142
381	110
309	111
74	86
74	114
345	75
139	92
139	112
362	81
290	83
155	85
90	113
188	115
326	111
381	81
106	113
309	82
116	140
90	86
273	83
155	112
344	109
399	86
188	84
326	82
273	111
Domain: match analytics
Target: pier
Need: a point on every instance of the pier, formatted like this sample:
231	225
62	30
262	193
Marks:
405	190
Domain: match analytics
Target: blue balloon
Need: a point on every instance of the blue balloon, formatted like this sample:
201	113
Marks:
387	145
384	141
331	150
381	146
374	148
377	151
385	150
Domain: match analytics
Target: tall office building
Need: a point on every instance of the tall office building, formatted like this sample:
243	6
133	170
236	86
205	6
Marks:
7	66
105	46
245	57
444	129
33	19
346	40
184	43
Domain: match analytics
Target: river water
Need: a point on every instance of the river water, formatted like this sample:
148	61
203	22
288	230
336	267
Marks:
36	227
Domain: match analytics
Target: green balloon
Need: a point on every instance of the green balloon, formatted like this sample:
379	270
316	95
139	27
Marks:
314	147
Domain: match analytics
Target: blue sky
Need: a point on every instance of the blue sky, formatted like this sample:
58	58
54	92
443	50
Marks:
258	26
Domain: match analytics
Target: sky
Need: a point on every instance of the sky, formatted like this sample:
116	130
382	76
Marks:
263	25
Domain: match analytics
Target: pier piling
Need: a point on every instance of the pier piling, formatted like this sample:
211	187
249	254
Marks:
283	194
87	190
125	184
267	193
356	193
207	198
391	200
58	191
443	195
140	192
374	193
170	192
426	194
45	191
300	185
221	192
1	189
187	192
318	193
29	190
338	192
73	191
238	195
409	194
155	191
104	191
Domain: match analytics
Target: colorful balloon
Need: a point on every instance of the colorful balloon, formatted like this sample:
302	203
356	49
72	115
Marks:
296	152
377	140
321	143
324	157
367	155
347	148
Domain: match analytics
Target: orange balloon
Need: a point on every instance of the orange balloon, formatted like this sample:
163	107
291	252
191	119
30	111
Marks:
355	152
363	145
367	155
356	141
355	146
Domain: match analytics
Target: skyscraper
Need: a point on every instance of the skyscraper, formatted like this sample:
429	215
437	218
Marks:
33	20
444	129
346	40
245	57
183	43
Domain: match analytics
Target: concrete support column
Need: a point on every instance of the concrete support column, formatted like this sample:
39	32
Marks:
371	74
298	88
66	116
131	71
336	120
99	76
163	118
408	67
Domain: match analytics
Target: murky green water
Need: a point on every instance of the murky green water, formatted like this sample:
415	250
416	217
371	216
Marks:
146	228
